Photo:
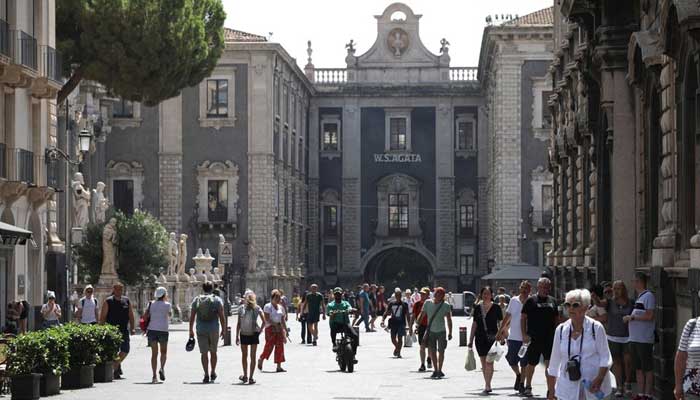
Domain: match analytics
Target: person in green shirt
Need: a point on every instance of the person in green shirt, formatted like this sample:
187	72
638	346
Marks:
437	311
314	307
339	320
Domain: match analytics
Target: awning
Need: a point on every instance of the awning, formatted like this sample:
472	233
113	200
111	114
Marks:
514	272
11	235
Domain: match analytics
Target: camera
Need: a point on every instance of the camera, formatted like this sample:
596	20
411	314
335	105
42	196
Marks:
573	368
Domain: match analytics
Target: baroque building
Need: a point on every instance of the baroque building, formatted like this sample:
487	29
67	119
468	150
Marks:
624	156
517	184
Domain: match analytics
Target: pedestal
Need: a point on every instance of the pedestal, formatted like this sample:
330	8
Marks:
108	280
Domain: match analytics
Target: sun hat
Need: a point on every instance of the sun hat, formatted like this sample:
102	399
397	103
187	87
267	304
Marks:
425	290
160	292
337	290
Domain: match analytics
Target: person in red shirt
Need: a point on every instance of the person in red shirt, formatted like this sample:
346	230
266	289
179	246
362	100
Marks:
421	325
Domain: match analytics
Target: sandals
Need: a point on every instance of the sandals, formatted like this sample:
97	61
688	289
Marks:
243	378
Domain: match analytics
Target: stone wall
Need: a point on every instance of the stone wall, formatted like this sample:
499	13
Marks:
170	181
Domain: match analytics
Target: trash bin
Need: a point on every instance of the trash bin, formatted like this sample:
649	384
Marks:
462	336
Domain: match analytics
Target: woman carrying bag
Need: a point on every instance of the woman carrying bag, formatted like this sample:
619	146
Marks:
248	334
487	317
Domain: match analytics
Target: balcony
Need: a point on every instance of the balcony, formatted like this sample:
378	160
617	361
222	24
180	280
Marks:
49	81
23	69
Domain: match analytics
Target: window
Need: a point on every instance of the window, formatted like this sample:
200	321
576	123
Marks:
293	151
123	194
217	200
547	198
398	212
466	264
330	137
330	217
300	158
276	141
397	133
123	109
465	135
25	164
217	98
285	146
466	219
546	112
330	259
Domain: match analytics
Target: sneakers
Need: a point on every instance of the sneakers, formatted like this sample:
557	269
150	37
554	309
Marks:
516	387
434	375
206	379
527	392
314	343
422	368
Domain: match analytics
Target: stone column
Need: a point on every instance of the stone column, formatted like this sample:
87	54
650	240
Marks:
590	252
170	163
551	259
351	211
445	192
570	208
580	206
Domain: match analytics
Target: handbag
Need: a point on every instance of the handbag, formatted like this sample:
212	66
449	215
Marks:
489	337
145	319
426	335
470	364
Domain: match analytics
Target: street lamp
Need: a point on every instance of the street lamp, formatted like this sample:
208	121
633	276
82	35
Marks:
84	141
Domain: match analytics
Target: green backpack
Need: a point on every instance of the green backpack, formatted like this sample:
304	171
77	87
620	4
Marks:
207	308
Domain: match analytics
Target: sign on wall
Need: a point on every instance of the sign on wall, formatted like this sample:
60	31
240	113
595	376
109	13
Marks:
397	158
226	253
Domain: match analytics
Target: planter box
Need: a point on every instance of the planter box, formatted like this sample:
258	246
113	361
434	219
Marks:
50	384
104	372
78	377
26	387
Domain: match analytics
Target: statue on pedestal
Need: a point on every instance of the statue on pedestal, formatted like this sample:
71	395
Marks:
182	255
81	202
109	248
101	204
173	252
192	277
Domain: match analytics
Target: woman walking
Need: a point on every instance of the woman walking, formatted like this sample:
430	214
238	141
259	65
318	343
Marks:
248	335
487	317
687	363
158	315
618	337
275	331
51	312
581	358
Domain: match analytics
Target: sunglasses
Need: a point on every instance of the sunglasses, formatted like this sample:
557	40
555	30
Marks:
572	305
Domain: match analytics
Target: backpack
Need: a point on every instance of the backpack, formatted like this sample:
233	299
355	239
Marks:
82	302
207	308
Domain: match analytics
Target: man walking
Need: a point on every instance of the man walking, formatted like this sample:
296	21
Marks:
421	325
642	336
398	310
511	328
314	307
365	307
437	311
87	307
208	311
116	310
538	321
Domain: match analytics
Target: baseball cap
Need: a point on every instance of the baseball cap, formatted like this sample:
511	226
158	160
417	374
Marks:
190	344
160	292
337	290
50	294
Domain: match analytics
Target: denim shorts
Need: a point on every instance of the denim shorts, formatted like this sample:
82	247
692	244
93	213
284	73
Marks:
512	355
157	336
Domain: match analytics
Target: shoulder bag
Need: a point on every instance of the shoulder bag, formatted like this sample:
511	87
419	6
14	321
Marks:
426	335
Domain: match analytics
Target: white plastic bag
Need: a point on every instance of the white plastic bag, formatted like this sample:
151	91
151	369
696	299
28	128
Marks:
495	353
470	363
408	340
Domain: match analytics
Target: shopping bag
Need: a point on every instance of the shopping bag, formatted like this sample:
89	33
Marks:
470	364
495	352
408	341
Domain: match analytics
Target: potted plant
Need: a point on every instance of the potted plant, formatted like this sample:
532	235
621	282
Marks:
109	339
23	357
83	355
55	361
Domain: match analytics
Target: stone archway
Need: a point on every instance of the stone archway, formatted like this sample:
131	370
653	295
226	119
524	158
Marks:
401	267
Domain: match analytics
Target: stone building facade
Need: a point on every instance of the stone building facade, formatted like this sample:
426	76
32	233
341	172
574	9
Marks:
517	185
624	156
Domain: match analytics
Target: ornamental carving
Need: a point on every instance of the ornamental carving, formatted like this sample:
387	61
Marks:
398	41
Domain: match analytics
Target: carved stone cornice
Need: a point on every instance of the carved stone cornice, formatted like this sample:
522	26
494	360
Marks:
38	196
10	191
611	53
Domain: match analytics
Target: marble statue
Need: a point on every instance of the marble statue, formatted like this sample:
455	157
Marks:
182	255
109	251
101	204
81	202
192	277
173	253
252	257
222	239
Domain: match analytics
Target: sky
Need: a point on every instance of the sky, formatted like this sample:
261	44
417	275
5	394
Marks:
330	24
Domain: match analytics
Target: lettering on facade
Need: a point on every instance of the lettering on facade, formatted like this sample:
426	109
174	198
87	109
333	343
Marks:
397	158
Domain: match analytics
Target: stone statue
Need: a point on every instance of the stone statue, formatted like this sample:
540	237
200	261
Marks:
252	257
101	204
109	244
173	253
81	202
192	277
444	46
182	255
222	239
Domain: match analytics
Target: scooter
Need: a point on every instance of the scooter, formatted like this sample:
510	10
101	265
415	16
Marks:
344	354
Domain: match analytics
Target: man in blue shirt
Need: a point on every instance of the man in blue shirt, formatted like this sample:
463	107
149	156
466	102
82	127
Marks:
365	307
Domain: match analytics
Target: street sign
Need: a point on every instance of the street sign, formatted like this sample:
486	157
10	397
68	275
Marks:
225	253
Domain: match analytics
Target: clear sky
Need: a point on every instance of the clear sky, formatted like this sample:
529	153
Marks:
329	24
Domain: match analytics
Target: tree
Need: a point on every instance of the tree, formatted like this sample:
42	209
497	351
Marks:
140	50
142	246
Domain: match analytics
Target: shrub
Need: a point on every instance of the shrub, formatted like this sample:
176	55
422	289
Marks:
25	353
109	339
56	359
83	345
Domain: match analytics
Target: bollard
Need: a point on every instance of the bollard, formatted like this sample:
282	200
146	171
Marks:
462	336
227	336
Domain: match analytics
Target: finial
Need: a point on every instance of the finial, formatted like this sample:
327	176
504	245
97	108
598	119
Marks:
309	50
350	46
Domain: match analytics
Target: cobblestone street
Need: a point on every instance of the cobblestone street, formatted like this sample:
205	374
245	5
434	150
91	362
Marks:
312	373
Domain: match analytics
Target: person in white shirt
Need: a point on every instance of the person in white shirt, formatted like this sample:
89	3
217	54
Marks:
87	307
275	331
580	340
510	328
642	336
158	314
51	311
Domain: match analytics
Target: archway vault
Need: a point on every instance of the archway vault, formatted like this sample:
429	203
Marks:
402	264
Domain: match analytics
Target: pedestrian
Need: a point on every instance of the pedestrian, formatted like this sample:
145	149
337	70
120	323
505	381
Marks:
687	363
373	301
485	332
365	308
88	311
450	300
50	312
352	300
607	290
642	336
599	305
116	310
302	317
538	321
381	301
158	314
14	310
437	312
421	326
275	331
284	301
581	358
23	316
314	307
208	312
619	307
339	321
296	300
398	310
248	335
510	328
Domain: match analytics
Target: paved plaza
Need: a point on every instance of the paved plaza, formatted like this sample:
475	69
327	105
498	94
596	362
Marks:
312	373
